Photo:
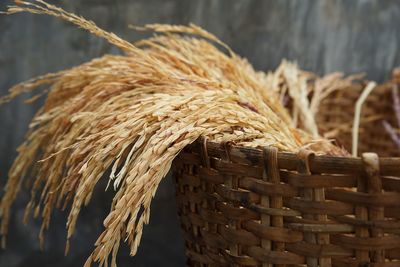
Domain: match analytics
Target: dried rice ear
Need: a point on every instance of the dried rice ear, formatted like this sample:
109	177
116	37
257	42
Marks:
30	85
302	92
191	29
133	114
44	8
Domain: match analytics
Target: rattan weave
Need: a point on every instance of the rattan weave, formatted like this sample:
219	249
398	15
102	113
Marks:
248	207
337	112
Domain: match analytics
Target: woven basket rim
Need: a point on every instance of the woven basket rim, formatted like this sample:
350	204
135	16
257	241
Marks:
287	160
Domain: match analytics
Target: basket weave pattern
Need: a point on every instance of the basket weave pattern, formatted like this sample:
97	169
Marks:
337	113
248	207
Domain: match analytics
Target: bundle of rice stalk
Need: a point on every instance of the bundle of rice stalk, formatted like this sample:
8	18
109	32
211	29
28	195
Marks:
132	114
302	92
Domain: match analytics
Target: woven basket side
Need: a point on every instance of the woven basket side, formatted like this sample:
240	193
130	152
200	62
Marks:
248	207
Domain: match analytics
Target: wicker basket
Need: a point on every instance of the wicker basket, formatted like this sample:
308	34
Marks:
249	207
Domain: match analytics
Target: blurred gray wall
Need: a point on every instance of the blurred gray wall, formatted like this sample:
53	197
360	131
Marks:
322	36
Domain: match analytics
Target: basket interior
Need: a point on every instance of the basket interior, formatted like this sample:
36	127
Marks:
336	115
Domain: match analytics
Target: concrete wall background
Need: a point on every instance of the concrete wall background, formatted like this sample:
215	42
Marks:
322	36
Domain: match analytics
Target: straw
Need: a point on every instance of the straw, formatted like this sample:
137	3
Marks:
357	114
132	115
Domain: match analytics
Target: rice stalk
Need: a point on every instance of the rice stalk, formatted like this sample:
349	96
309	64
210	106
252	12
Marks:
133	114
302	92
